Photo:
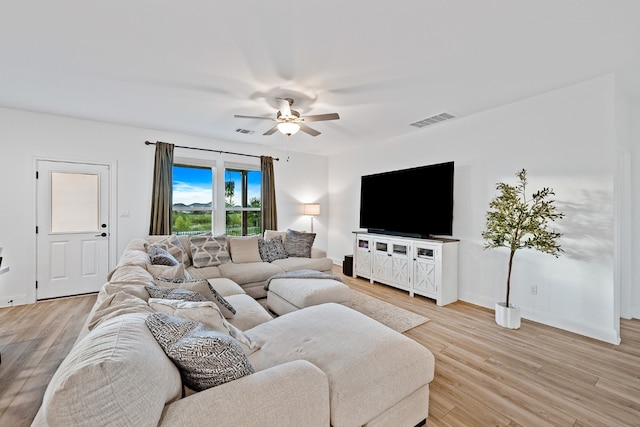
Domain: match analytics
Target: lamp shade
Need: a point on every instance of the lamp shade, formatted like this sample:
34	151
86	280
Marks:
288	128
311	209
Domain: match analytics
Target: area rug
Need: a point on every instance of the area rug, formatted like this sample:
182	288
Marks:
388	314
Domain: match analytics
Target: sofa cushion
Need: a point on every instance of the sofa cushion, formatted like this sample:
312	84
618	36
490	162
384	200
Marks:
160	256
208	250
249	312
203	272
205	312
173	245
176	271
116	375
244	249
249	272
297	263
203	288
225	287
117	304
272	249
135	289
205	357
131	274
298	243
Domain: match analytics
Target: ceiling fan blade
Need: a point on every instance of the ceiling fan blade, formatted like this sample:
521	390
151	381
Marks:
271	131
285	106
307	129
320	117
239	116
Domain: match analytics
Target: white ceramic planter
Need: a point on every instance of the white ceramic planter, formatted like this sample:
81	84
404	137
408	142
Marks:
507	317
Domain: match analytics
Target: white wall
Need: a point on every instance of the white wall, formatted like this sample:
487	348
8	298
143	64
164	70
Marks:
566	140
26	136
634	294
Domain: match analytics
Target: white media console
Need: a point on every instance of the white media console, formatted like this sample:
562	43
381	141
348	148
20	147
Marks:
427	267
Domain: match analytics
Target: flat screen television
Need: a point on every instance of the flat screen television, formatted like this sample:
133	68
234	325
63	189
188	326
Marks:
415	202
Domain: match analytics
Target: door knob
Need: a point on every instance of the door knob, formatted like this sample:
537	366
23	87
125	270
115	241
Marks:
101	235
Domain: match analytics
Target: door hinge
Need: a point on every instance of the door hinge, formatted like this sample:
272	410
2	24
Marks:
36	284
36	229
37	175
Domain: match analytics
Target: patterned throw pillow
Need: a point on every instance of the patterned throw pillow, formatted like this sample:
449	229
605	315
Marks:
165	292
173	245
159	256
203	288
298	243
205	358
272	249
205	312
208	250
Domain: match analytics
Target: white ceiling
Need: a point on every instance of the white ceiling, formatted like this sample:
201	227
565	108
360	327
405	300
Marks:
189	66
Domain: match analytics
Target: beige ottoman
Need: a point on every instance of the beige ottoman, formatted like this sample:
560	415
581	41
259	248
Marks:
290	294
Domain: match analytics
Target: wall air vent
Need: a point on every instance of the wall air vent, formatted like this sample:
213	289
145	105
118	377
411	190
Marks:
432	120
245	131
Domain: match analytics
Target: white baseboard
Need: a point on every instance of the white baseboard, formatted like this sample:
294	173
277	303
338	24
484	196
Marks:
11	300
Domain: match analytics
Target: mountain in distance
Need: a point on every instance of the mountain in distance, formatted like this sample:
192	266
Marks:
182	206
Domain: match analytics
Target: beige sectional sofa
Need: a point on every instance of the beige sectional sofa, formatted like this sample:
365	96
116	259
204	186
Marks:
325	365
252	273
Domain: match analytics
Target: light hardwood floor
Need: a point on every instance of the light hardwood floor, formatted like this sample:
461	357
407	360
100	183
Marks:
485	375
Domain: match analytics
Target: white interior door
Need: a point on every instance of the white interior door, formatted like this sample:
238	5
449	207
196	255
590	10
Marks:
72	228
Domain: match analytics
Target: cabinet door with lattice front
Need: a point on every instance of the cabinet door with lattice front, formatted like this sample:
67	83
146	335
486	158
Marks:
424	271
363	257
400	270
381	260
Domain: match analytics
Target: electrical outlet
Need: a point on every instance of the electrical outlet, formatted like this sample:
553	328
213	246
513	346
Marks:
534	289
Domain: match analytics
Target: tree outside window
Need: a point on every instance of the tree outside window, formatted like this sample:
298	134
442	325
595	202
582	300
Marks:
242	202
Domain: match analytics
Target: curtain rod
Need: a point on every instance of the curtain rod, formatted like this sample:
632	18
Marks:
213	151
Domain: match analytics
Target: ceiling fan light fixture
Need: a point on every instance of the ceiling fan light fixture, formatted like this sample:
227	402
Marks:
288	128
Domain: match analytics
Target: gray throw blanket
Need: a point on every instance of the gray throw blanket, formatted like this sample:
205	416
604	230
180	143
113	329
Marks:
301	274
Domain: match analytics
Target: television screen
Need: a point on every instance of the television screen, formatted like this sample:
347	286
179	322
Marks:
415	202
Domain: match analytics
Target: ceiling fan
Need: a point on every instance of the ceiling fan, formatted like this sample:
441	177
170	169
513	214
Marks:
290	121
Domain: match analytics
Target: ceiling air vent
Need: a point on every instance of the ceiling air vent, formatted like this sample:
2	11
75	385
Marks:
432	120
245	131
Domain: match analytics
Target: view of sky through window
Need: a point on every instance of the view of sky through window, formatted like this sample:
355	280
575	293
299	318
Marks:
194	185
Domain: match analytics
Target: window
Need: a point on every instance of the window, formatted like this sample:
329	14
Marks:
243	206
192	200
195	199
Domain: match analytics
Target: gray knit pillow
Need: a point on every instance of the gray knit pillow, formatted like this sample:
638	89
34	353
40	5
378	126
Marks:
205	358
160	256
272	249
298	244
166	292
173	245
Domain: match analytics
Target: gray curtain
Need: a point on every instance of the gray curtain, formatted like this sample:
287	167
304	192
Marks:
162	190
269	214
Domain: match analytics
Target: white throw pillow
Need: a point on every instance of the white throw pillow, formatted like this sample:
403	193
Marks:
270	234
244	249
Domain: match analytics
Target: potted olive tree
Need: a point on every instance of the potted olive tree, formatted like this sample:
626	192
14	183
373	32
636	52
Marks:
517	222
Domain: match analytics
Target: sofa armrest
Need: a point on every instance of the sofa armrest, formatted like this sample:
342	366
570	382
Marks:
288	395
318	253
